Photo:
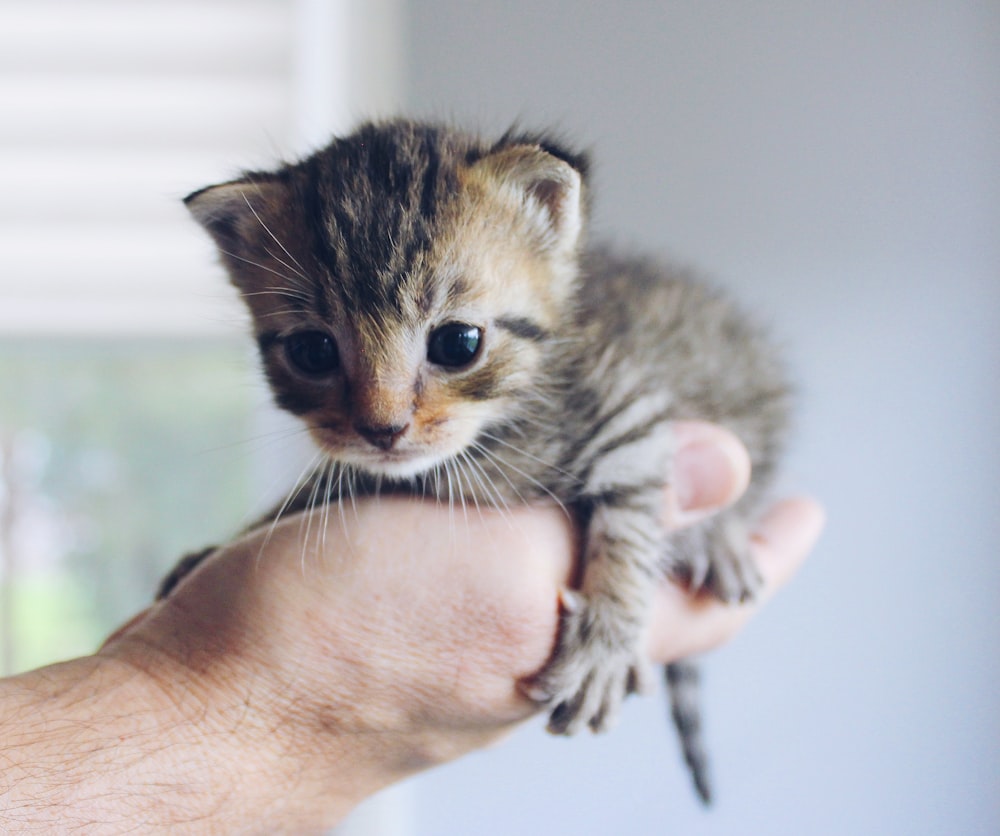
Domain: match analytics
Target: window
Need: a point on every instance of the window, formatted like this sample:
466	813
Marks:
100	444
126	377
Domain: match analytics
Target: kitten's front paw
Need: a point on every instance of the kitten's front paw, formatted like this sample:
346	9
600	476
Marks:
595	666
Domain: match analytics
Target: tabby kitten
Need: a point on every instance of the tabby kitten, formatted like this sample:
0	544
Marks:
424	301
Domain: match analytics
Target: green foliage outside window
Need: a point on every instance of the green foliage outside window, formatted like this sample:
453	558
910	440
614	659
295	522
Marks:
115	459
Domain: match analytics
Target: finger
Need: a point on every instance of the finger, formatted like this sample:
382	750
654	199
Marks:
683	625
711	469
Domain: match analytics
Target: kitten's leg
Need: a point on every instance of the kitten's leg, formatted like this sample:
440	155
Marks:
599	657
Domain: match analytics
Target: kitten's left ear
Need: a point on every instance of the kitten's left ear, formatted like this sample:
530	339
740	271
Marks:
549	189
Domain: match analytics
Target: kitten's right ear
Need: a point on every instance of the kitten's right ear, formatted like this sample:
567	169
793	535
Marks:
231	212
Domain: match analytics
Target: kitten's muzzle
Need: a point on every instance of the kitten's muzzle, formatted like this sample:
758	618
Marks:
382	436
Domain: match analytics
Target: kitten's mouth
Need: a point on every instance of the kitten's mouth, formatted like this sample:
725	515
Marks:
402	460
397	463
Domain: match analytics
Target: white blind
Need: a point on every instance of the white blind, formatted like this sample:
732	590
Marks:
110	112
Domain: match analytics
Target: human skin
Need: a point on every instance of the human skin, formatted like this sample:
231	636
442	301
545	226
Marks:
300	670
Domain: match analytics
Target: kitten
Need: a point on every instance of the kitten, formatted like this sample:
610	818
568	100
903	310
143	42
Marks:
424	301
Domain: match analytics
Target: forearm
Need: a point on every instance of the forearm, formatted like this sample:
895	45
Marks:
101	745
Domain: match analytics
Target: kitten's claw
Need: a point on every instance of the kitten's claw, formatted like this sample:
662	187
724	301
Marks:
570	601
534	692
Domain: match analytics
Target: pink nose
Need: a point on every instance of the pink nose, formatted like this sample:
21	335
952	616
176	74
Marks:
383	436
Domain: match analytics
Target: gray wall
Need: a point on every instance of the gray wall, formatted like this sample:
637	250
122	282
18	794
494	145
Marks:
838	166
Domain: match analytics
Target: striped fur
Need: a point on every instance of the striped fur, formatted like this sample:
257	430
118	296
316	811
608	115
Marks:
583	359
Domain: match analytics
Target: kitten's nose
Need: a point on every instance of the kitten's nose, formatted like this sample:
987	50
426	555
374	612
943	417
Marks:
382	436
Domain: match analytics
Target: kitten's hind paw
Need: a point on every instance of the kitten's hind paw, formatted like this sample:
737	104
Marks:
716	557
595	666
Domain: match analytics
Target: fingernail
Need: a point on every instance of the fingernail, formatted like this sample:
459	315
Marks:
709	474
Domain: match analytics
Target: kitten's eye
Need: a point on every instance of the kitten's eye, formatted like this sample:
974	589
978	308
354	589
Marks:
312	352
454	345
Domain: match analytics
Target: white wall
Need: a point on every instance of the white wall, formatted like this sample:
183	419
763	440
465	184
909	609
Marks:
838	165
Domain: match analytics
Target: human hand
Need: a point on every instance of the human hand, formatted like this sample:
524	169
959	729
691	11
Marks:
338	653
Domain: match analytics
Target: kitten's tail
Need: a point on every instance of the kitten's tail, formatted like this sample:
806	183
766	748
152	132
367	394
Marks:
683	680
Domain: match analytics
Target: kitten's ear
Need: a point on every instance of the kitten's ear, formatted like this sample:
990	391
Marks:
232	212
549	189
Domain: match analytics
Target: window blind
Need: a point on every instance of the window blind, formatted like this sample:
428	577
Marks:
113	110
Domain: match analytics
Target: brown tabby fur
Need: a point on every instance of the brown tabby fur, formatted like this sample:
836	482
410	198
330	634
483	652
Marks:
584	359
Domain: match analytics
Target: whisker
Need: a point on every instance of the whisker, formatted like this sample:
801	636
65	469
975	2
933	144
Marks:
292	280
461	490
528	455
308	472
340	498
279	290
327	490
310	509
280	312
352	490
492	454
271	437
285	264
474	472
451	497
302	271
490	491
499	464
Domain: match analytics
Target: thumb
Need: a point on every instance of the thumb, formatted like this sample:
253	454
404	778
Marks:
711	469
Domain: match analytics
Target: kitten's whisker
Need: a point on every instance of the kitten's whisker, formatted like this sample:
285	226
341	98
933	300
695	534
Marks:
271	437
340	497
280	290
528	455
280	312
327	497
352	490
286	265
466	464
292	280
490	491
473	473
302	270
310	510
499	465
461	490
451	499
437	480
308	472
492	454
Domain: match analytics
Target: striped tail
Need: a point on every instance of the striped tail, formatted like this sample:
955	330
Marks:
683	681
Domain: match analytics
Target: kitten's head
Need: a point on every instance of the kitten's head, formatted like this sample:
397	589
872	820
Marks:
404	283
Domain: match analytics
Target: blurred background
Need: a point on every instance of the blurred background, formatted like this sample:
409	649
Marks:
837	166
